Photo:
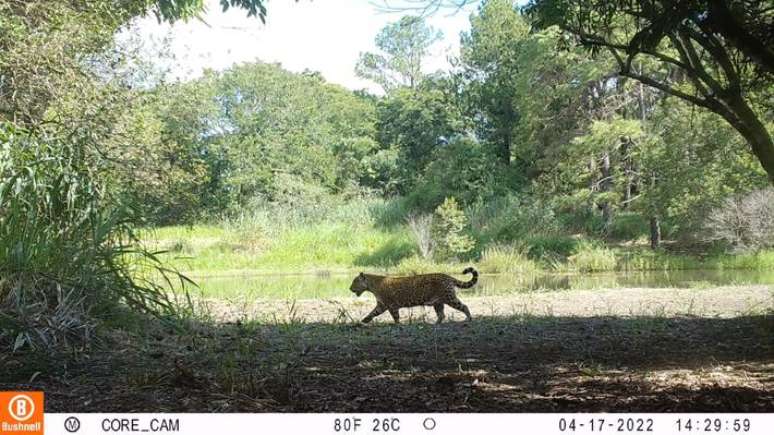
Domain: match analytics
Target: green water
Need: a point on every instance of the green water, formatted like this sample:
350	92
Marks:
323	285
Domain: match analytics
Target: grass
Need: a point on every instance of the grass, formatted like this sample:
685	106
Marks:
590	257
69	256
210	249
233	258
205	250
507	259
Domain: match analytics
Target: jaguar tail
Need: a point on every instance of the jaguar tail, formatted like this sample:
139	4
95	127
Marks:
473	280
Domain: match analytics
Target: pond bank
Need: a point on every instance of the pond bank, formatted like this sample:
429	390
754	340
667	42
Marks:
657	303
324	285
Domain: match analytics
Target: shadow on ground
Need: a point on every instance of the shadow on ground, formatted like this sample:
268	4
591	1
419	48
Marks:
494	364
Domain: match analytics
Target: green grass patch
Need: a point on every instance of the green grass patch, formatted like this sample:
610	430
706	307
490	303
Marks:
506	259
371	235
589	257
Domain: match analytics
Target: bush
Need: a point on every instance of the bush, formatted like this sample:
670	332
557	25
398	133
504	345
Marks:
629	226
421	227
68	253
744	222
550	248
509	218
449	231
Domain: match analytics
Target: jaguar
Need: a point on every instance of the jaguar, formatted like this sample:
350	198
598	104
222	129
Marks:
395	292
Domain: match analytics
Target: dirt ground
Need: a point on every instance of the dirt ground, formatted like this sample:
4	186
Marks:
633	350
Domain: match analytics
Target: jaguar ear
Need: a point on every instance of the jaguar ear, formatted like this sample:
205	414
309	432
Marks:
361	274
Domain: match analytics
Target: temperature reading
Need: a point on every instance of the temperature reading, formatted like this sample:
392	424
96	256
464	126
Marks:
347	424
386	425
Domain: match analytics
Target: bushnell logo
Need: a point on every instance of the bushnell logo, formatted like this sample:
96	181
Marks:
21	413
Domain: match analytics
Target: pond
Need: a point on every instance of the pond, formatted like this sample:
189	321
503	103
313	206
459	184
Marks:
324	285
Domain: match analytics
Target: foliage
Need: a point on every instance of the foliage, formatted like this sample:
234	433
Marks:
746	222
548	149
714	55
69	254
414	123
449	230
276	123
405	44
588	257
551	249
491	66
421	228
462	168
506	219
506	259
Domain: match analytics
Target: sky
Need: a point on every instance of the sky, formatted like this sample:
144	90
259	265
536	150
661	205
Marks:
319	35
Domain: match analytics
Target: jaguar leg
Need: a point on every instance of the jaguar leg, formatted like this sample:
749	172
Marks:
439	312
380	308
395	315
458	305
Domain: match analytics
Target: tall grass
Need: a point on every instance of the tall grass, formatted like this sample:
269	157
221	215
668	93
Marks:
373	234
288	238
507	259
68	254
589	257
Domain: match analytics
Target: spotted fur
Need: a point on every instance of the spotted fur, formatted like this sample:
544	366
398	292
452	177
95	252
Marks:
394	292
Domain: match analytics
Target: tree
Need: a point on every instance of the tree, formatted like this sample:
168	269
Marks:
414	122
405	44
489	57
173	10
449	230
282	132
713	54
49	47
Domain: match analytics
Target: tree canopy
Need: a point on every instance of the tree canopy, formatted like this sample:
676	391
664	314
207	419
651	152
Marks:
713	54
405	44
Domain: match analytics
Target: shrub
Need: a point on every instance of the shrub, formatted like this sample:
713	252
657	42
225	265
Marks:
68	253
449	231
745	222
421	228
550	248
510	218
629	226
417	265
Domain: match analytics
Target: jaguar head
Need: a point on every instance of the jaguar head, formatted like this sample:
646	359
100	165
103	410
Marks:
359	284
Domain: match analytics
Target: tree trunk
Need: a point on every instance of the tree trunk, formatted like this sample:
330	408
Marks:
606	185
592	187
746	122
628	170
504	151
655	232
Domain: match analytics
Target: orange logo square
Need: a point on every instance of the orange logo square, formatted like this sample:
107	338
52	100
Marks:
21	413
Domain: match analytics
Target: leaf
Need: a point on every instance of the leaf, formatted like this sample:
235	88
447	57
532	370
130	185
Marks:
20	341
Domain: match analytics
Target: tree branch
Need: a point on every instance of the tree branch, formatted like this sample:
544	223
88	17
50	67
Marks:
670	90
713	46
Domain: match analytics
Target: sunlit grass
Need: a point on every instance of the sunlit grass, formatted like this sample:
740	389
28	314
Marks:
208	249
350	237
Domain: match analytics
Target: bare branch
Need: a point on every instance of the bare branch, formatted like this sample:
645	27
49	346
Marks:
670	90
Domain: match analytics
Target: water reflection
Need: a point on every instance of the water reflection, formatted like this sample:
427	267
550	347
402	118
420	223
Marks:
326	285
